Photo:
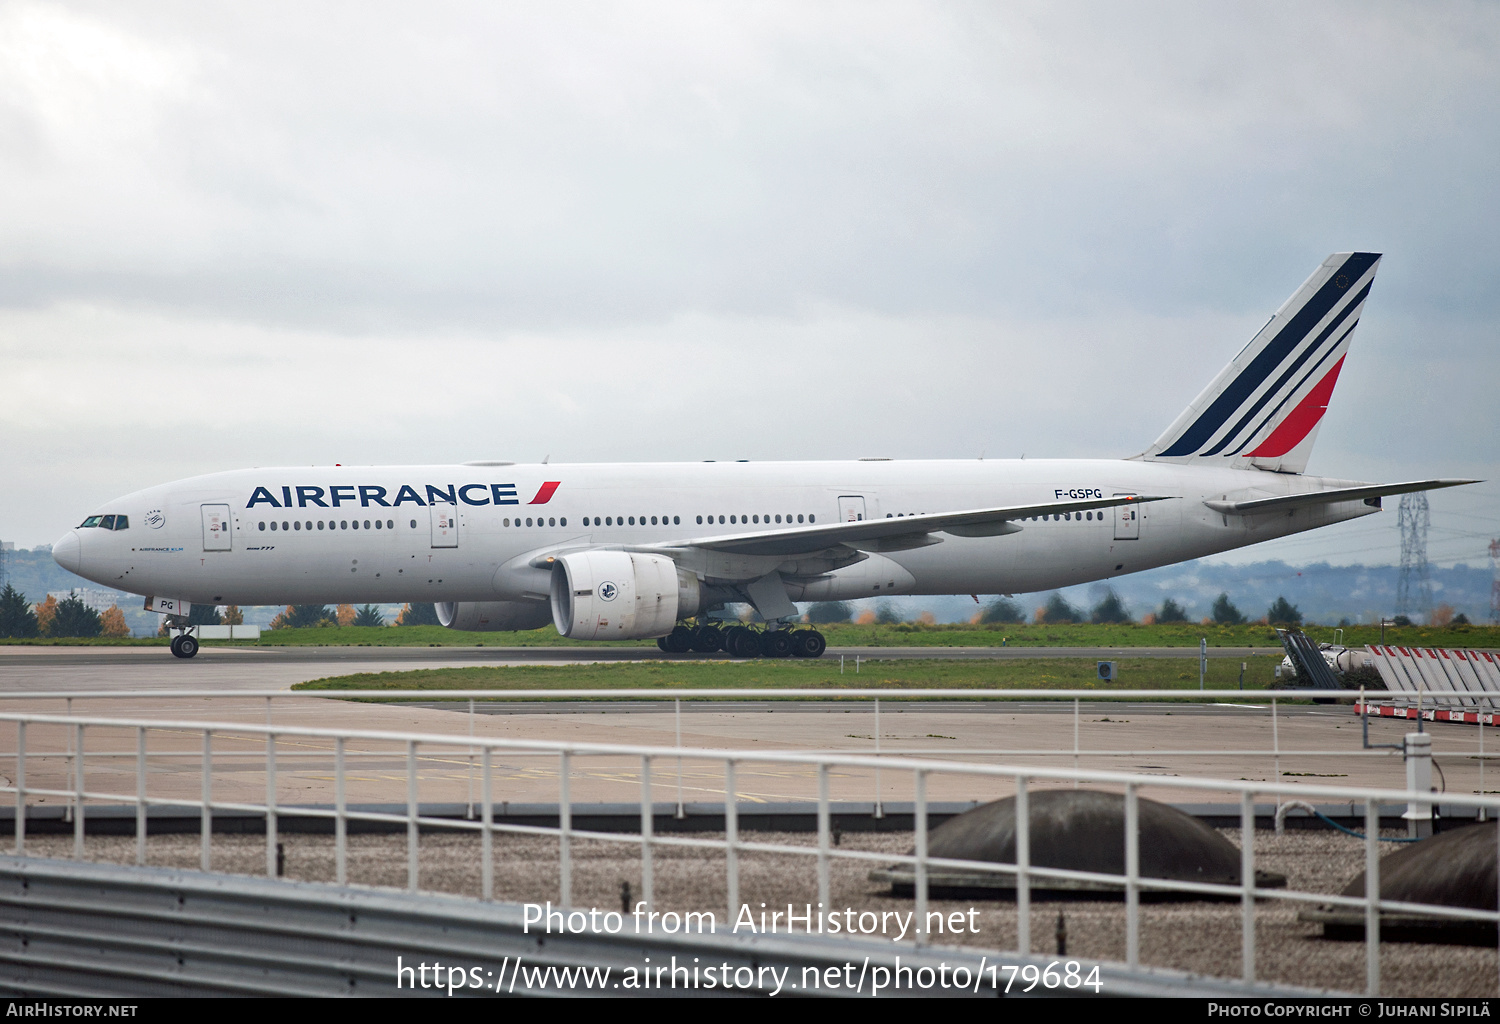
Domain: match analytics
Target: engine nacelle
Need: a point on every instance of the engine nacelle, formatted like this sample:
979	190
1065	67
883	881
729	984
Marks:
493	616
620	595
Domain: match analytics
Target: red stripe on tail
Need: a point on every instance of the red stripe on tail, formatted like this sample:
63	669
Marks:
1301	420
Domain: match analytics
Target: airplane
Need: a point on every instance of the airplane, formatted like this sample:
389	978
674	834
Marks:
635	551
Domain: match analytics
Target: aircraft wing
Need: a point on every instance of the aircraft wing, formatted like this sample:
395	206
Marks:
877	533
1307	498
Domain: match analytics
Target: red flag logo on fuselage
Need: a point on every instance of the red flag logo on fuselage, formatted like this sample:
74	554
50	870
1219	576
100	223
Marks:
544	494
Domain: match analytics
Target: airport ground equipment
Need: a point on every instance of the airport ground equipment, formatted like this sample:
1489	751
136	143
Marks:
1312	669
1435	684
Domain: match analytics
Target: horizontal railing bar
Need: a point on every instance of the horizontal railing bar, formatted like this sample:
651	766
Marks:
693	752
717	692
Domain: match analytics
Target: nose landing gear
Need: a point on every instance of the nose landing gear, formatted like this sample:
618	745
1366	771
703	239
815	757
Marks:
184	643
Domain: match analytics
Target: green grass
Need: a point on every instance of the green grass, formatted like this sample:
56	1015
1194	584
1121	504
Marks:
1133	634
1040	673
906	634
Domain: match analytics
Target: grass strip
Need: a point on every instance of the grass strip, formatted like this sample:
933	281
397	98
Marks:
1048	673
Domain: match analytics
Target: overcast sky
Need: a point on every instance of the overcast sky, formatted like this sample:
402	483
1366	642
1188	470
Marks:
261	234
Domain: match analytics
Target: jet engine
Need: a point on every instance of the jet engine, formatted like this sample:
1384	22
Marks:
620	595
493	616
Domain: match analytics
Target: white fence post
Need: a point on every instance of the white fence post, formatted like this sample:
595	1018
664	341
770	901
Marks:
1132	878
1023	867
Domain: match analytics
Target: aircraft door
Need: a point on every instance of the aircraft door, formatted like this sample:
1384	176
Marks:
444	525
1127	521
217	528
851	508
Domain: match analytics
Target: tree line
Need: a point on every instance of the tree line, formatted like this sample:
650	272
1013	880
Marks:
1109	609
69	617
313	616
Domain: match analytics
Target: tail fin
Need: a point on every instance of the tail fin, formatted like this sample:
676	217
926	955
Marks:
1262	411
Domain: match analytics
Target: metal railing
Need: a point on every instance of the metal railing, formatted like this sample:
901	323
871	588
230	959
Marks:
733	846
1455	742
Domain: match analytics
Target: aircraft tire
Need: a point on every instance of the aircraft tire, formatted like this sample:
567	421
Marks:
776	643
808	643
742	643
187	646
661	645
679	641
176	650
707	639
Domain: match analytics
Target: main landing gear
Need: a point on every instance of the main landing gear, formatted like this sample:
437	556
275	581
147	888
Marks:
744	642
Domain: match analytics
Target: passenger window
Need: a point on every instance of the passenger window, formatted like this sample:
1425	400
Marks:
700	520
721	520
367	524
413	524
653	520
273	526
262	526
551	522
676	521
799	519
343	524
297	525
810	518
563	521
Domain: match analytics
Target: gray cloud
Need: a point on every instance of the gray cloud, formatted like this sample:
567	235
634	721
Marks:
362	232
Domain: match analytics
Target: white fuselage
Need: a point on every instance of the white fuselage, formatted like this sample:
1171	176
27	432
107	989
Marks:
309	535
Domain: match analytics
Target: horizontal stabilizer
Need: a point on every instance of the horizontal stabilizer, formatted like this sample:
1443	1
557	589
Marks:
1308	498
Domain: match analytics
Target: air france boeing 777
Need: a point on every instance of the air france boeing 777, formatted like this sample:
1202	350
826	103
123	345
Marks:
620	552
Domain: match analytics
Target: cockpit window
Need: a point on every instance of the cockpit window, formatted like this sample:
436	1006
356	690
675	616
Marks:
122	522
90	522
107	523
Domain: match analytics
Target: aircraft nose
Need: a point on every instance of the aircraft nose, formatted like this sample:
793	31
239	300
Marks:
68	552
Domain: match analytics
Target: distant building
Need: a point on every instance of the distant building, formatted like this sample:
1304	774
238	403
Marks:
94	598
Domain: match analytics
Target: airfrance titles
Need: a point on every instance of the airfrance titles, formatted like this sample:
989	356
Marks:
365	495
